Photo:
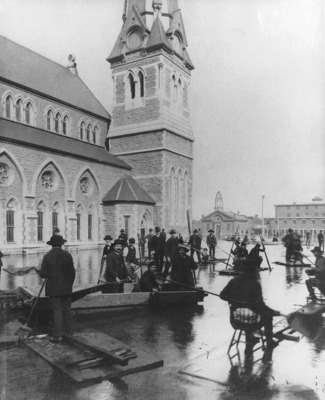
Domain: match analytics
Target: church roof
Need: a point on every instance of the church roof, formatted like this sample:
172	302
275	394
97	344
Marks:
127	190
29	136
157	35
32	71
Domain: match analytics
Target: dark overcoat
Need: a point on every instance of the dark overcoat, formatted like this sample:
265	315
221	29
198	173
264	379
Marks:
57	267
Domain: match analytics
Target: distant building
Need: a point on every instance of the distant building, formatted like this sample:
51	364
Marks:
226	222
301	217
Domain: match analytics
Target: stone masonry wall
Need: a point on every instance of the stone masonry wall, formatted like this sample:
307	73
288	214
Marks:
40	104
136	142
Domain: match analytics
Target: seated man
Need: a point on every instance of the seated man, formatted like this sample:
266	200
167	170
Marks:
254	254
205	256
242	252
246	291
183	267
318	272
148	282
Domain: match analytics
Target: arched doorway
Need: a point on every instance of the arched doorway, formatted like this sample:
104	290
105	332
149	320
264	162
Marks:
145	223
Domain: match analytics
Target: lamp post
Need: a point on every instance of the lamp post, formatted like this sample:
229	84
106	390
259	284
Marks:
263	216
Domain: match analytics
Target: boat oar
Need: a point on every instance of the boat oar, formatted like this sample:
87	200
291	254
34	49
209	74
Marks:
232	246
187	286
268	263
23	332
308	259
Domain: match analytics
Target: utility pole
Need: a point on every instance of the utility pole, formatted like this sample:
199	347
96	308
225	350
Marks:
263	216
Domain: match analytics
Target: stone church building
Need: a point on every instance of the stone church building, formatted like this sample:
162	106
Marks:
66	163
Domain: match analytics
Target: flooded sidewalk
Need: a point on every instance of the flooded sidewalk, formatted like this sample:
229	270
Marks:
182	336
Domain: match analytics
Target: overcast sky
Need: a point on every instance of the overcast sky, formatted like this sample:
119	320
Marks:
257	92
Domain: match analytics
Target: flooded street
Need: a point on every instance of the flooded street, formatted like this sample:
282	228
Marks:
179	336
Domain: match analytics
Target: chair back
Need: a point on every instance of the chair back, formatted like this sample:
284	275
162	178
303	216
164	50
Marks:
244	318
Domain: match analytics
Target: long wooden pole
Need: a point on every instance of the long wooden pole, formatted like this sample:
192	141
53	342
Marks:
187	286
188	223
268	263
232	246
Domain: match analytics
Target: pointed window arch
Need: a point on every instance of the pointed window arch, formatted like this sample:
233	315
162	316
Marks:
132	86
65	125
28	113
19	111
78	213
55	217
90	223
49	120
82	131
57	123
9	107
171	196
88	132
95	135
10	222
141	82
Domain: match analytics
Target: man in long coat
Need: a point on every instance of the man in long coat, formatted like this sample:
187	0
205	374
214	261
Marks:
288	241
183	267
170	250
195	245
57	267
157	246
211	242
116	270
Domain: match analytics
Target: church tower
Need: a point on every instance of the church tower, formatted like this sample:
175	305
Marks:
151	129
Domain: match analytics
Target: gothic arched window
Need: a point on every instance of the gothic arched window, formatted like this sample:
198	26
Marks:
19	111
10	222
57	123
65	124
88	132
9	105
132	86
28	114
141	81
82	131
95	134
49	120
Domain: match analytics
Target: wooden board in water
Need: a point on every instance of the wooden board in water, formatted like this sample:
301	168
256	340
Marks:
291	264
59	356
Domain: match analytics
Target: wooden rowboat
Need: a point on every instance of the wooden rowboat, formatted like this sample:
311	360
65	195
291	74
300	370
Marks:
101	302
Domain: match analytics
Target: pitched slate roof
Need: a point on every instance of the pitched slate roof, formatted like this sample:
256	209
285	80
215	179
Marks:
226	215
31	70
29	136
127	190
158	35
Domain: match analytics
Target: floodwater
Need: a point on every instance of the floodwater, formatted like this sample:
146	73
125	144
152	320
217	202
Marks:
181	337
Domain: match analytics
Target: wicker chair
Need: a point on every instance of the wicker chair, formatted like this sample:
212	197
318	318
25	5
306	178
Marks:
244	319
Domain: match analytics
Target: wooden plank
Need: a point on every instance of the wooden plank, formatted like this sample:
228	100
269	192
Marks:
65	357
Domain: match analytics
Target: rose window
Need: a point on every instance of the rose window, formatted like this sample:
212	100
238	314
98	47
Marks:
4	174
84	185
48	180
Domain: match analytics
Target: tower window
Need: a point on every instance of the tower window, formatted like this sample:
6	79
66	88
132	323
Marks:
90	227
78	225
54	221
132	86
141	81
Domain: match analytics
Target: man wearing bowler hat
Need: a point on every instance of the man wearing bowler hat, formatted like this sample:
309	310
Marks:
195	245
170	250
157	248
288	241
183	267
318	272
211	242
116	270
57	267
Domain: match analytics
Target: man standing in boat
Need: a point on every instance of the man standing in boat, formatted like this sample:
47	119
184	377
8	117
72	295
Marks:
158	244
320	238
211	242
318	272
288	241
116	270
170	250
148	239
183	268
195	245
57	267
